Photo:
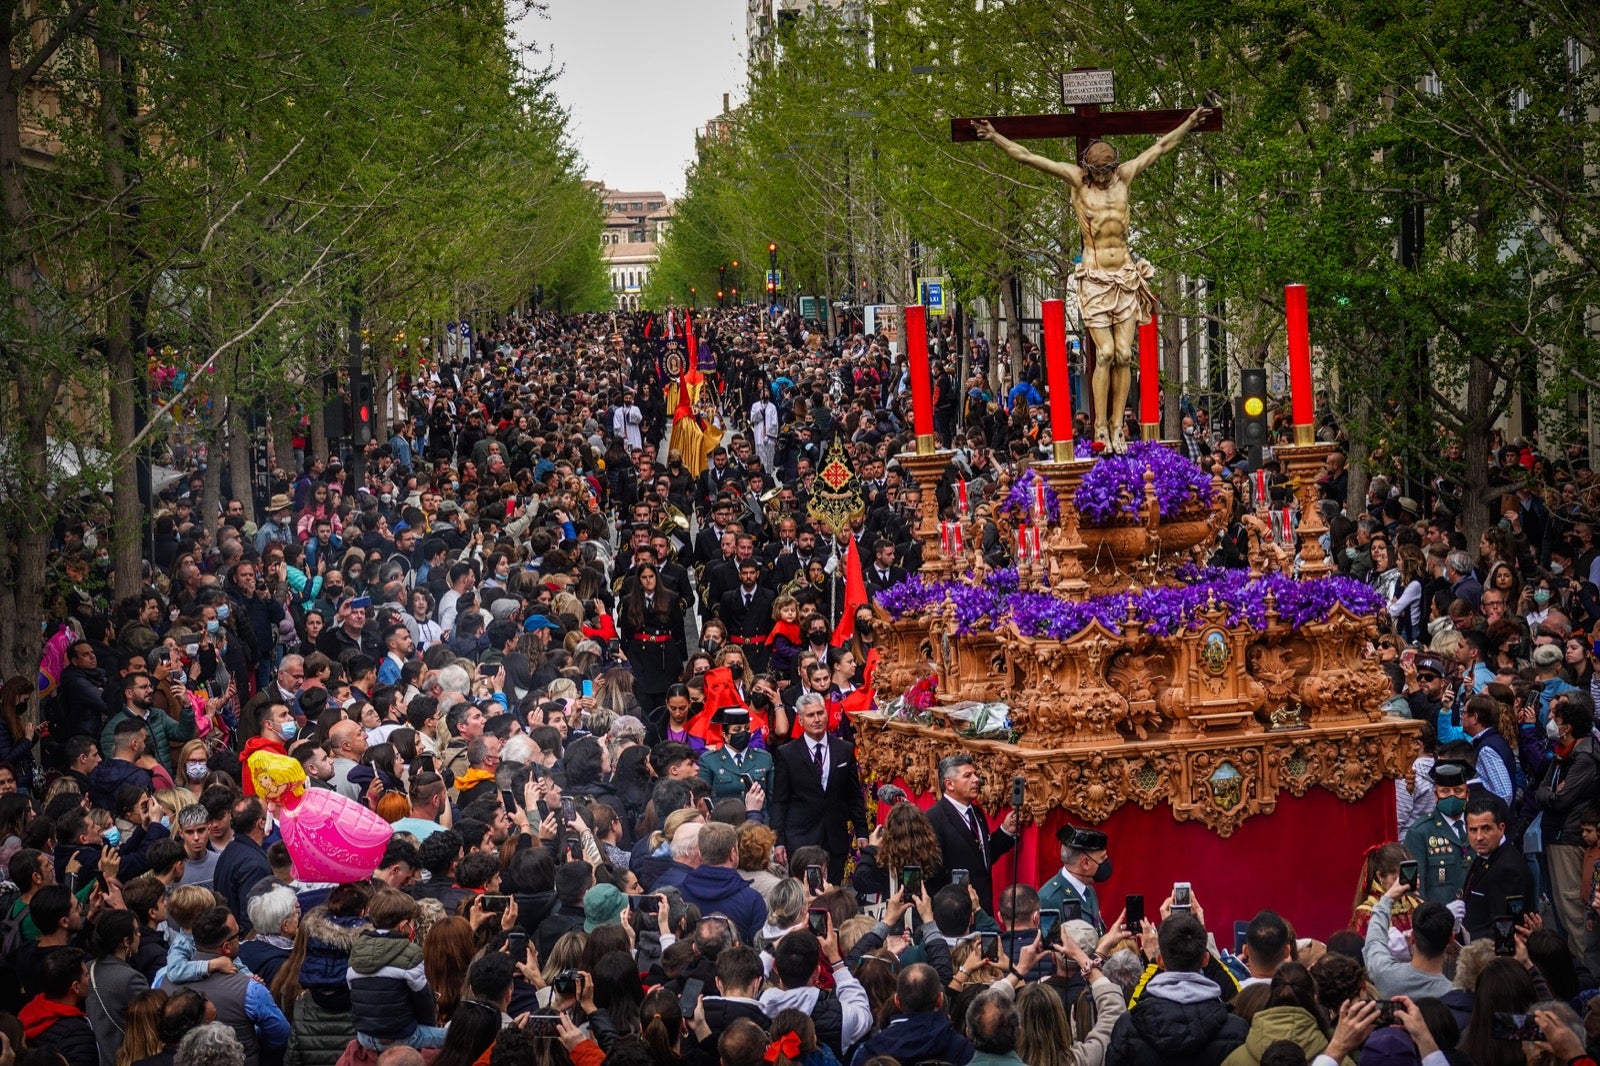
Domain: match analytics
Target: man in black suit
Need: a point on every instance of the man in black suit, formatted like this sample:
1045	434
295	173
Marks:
747	612
1498	869
718	476
708	542
965	841
883	573
816	790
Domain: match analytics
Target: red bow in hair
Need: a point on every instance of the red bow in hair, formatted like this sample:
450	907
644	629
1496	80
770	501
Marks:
787	1045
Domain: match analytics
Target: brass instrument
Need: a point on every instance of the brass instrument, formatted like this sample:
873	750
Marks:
771	504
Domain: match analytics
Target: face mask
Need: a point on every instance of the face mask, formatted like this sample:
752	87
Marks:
112	836
1541	596
289	729
1557	569
739	739
223	610
1350	553
213	626
1552	729
191	650
196	771
1452	806
166	821
1104	872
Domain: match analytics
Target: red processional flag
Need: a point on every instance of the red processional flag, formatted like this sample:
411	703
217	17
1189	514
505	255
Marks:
855	595
721	692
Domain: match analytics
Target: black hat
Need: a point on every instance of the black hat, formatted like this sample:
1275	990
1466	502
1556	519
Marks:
734	715
1079	839
1451	773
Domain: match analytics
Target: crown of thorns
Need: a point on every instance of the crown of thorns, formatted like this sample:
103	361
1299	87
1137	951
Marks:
1083	157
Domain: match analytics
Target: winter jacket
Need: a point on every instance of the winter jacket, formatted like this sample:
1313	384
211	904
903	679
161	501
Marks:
46	1023
113	984
1180	1020
1090	1048
164	732
263	958
914	1038
842	1017
318	1036
112	774
389	994
1569	786
152	953
555	927
720	890
328	943
242	863
83	702
1294	1024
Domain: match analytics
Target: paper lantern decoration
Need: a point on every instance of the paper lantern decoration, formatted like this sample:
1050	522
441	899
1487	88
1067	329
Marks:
330	838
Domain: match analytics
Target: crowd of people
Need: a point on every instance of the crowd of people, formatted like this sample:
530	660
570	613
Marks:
603	692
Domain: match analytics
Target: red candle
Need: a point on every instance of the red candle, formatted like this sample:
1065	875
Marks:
921	376
1033	542
1305	405
1039	514
1022	543
955	538
961	494
1058	378
944	538
1149	373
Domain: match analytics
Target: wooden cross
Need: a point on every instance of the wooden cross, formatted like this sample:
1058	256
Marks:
1085	123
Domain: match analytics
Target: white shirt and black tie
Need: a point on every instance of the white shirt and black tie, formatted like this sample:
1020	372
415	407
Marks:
969	816
819	758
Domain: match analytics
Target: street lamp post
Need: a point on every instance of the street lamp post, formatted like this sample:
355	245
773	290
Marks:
772	277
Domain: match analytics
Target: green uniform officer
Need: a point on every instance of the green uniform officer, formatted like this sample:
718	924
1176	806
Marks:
1084	861
1439	842
732	768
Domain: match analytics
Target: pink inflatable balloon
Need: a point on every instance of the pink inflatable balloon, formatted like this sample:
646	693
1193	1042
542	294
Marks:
331	838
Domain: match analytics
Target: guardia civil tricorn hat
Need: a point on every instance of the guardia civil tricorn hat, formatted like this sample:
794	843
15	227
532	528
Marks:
1079	839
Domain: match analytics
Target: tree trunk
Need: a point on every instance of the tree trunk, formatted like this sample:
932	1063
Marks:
241	466
284	426
125	375
1475	502
1013	313
22	561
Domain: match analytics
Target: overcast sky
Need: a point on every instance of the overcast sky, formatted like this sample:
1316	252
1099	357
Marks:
639	77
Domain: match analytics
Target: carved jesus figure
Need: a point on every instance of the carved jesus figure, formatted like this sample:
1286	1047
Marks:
1114	294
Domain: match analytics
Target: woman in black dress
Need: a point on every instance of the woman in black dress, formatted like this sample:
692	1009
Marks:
652	636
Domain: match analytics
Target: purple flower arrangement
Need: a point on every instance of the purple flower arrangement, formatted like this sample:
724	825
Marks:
1163	611
1114	487
1019	502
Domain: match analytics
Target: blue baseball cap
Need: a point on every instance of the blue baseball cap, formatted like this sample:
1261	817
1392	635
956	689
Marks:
538	621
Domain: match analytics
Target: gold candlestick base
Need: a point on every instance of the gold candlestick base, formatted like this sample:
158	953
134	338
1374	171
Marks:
1061	451
1149	430
1066	543
926	468
926	445
1303	462
1304	435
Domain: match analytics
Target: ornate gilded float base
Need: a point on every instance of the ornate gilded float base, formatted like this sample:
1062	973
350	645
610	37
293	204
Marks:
1218	782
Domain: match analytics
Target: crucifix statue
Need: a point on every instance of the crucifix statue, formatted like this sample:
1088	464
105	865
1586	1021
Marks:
1114	294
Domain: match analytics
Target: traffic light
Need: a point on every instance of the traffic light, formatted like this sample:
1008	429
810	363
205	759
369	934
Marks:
361	404
333	414
1252	428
